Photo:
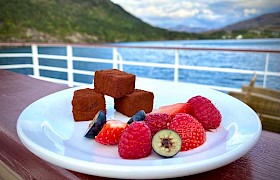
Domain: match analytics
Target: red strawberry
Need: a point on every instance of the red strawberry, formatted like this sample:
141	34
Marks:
173	109
157	122
136	141
190	130
111	132
205	112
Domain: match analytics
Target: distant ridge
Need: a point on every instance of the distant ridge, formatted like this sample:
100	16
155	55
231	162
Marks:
266	21
264	26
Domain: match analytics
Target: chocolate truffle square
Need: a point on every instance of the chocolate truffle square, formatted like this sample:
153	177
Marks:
134	102
114	83
86	103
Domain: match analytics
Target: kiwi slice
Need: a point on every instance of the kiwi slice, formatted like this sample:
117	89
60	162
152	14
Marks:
166	143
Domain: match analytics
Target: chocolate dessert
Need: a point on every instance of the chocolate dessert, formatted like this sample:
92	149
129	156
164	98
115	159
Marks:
132	103
114	83
86	103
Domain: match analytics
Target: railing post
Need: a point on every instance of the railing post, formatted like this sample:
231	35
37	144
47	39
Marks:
120	60
266	70
34	49
70	65
115	58
176	66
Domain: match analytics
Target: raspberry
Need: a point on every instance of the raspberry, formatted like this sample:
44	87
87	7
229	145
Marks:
135	141
190	130
157	122
205	112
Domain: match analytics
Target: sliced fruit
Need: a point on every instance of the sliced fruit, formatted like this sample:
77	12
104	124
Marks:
139	116
96	125
136	141
157	121
111	132
190	130
173	109
166	143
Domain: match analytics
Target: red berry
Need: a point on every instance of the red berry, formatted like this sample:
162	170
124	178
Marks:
205	112
190	130
157	122
111	132
173	109
136	141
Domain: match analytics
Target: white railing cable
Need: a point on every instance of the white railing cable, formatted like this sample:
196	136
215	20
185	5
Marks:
50	68
7	55
16	66
49	56
87	59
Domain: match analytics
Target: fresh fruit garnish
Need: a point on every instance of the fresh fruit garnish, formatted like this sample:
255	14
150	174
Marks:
173	109
205	112
111	132
96	124
190	130
136	141
139	116
166	143
157	121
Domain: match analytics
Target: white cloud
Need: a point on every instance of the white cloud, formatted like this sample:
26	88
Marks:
188	4
209	14
248	12
216	13
162	8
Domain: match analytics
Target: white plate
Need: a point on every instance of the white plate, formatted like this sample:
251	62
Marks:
47	129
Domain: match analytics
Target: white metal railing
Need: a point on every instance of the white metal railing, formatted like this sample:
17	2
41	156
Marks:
118	62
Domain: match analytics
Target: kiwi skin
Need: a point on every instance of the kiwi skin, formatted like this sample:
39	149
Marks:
166	143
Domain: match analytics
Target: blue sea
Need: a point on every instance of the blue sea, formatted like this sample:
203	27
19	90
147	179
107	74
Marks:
221	59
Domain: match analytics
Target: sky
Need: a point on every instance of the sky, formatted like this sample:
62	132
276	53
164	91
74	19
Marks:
205	14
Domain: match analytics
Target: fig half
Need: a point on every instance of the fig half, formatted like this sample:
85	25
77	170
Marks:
139	116
96	125
166	143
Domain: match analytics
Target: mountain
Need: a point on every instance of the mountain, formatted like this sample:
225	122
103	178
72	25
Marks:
183	28
265	22
74	21
264	26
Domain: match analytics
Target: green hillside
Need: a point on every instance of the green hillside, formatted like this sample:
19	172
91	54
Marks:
74	21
